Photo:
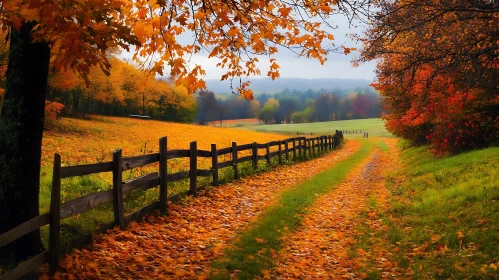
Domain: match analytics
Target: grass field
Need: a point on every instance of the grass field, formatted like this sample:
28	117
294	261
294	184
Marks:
235	123
444	216
92	141
375	127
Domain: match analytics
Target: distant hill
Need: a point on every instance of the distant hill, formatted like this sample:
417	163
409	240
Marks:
264	85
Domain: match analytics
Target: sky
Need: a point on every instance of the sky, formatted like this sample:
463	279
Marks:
337	66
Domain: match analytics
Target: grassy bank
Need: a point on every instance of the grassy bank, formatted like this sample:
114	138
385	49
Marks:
444	216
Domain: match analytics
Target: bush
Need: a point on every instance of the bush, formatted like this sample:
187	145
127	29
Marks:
52	112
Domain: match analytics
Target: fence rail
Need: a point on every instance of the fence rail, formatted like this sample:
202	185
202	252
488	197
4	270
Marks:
300	147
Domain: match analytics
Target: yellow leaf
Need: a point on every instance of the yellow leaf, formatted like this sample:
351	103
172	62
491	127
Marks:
493	266
259	240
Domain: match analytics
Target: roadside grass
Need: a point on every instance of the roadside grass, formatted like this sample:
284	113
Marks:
375	128
254	250
443	221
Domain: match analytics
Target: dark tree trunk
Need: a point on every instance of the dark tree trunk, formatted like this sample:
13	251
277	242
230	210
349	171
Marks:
143	104
21	128
76	100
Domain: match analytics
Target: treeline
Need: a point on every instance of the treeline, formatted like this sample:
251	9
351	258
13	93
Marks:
438	71
290	106
123	91
126	90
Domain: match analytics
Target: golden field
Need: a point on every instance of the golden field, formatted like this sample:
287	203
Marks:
81	141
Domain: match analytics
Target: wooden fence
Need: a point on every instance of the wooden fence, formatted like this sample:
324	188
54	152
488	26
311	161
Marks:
300	147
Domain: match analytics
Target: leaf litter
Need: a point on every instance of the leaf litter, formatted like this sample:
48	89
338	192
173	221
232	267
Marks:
196	231
325	246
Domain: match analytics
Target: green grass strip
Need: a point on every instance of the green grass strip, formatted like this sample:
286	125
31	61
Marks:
255	249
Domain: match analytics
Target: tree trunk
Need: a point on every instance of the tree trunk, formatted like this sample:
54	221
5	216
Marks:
21	129
76	100
143	104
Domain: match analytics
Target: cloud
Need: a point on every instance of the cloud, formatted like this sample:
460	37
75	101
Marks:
293	67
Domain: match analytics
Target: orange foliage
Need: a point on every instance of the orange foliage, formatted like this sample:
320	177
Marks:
53	110
83	32
438	71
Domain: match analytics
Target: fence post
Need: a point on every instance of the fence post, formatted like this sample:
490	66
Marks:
313	146
294	149
214	164
309	148
330	142
254	154
279	152
234	160
193	155
304	148
286	149
299	147
119	212
163	172
267	155
55	216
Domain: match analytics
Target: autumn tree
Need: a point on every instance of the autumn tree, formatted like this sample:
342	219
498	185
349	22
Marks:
324	106
438	71
269	112
287	106
360	106
79	34
177	105
207	106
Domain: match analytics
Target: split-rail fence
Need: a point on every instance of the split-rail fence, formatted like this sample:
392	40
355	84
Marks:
301	147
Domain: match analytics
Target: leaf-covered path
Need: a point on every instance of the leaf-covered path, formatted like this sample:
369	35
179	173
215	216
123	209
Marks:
183	244
331	243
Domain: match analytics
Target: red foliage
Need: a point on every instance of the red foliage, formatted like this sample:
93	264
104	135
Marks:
360	106
53	110
430	108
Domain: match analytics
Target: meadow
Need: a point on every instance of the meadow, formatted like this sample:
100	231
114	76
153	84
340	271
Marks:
375	127
443	220
80	141
84	141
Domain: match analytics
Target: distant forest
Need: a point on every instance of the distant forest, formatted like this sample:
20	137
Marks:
290	106
128	90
